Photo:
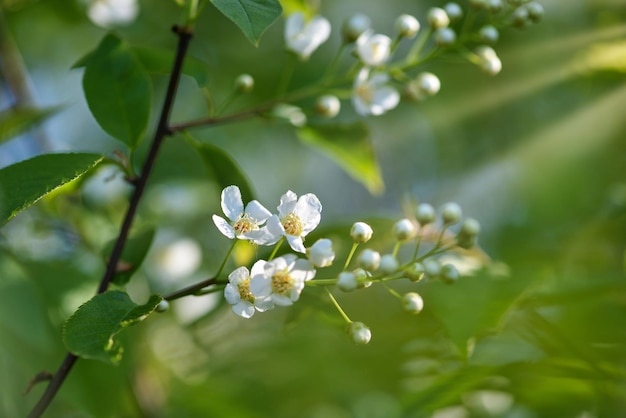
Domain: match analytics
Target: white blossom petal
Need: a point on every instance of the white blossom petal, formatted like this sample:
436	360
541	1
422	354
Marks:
244	309
224	227
287	204
258	211
231	294
261	286
308	210
296	243
303	270
232	205
303	37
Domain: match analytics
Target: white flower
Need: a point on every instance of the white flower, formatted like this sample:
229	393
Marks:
372	95
237	292
373	49
321	254
280	281
110	12
244	224
304	37
295	219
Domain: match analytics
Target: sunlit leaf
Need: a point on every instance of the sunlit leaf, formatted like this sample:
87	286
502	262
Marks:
350	147
134	252
309	8
26	182
253	17
14	122
90	332
609	56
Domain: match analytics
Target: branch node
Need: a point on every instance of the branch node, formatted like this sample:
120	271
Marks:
43	376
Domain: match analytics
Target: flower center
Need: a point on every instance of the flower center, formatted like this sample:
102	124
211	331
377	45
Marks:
282	283
365	92
292	224
244	291
244	224
379	50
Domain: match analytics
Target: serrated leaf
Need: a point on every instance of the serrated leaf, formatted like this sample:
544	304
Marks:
90	332
223	169
118	90
253	17
350	147
26	182
14	122
133	254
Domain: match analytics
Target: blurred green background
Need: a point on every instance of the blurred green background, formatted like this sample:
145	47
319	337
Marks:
537	154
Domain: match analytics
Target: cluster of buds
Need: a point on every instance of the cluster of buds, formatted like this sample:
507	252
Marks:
279	281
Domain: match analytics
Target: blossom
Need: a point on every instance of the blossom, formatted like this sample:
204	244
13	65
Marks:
372	95
321	253
244	224
280	281
296	218
237	292
373	49
304	37
110	12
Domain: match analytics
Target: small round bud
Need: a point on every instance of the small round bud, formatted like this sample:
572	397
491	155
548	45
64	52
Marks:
491	65
407	26
361	278
495	6
489	34
454	11
360	333
361	232
438	18
451	213
162	306
521	17
412	302
328	106
321	253
244	83
369	260
535	11
449	273
347	281
425	214
478	4
426	84
404	229
355	26
415	271
445	37
432	268
470	226
389	264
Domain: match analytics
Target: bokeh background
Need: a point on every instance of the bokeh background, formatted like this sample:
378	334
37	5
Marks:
537	154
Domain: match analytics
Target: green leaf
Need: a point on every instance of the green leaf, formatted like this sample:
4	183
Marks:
118	90
26	182
134	252
350	147
14	122
223	169
252	16
90	332
160	61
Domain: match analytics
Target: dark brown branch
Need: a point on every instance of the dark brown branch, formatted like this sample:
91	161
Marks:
190	290
184	37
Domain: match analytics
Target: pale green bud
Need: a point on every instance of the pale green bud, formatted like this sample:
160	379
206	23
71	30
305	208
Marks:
445	37
388	264
412	302
449	273
451	213
489	34
369	260
454	11
328	106
425	214
244	83
404	229
438	18
360	333
495	6
535	11
407	26
415	271
432	268
162	306
347	281
355	26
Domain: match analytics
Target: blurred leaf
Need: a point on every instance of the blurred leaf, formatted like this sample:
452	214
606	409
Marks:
350	147
90	331
608	56
118	90
308	7
26	182
160	61
222	168
134	252
252	16
14	122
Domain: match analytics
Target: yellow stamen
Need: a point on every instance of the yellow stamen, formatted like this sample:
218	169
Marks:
282	283
244	224
292	224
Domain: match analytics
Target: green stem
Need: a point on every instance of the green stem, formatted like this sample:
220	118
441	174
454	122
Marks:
290	66
334	301
417	244
418	45
396	248
278	244
229	99
230	250
391	290
352	250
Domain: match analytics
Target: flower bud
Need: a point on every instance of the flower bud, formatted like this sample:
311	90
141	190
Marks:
415	271
478	4
407	26
328	106
412	302
244	83
449	273
466	237
521	17
489	34
438	18
454	11
321	253
355	26
445	37
347	281
162	306
425	214
389	264
361	278
404	229
369	260
432	268
361	232
535	11
425	84
491	65
451	213
495	6
360	333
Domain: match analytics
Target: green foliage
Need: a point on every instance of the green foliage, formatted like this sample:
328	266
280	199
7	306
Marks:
134	252
159	61
90	332
253	17
26	182
14	122
118	90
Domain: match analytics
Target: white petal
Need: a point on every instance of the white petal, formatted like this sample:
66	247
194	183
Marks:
260	286
289	260
231	294
244	309
385	98
308	210
293	25
296	243
281	300
303	270
378	79
287	203
263	304
258	211
360	106
258	268
271	233
239	275
224	227
232	205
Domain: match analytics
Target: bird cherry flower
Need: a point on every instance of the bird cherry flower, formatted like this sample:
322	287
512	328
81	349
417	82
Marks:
281	280
296	218
321	253
373	49
237	292
304	37
372	95
113	12
244	223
